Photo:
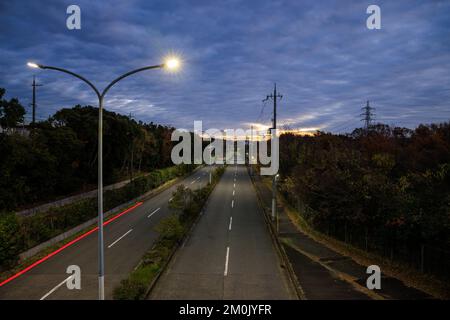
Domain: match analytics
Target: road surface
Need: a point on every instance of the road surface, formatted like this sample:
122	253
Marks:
230	254
126	240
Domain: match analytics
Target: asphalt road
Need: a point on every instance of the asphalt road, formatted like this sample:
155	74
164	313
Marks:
126	239
229	254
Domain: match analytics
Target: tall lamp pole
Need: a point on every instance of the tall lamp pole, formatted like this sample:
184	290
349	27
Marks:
170	64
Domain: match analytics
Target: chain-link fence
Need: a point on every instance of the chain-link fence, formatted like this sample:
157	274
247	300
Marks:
420	256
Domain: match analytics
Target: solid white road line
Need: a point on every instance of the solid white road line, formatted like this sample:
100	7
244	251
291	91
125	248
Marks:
156	210
232	203
56	288
120	238
231	222
225	272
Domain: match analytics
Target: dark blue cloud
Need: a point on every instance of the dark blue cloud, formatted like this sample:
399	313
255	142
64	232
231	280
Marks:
324	59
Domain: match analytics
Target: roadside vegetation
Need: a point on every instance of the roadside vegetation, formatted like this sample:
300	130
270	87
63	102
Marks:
186	206
385	190
57	157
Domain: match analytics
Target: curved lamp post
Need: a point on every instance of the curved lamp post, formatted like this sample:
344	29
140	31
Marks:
170	64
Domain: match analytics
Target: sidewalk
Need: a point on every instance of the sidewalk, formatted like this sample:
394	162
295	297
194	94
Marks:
324	273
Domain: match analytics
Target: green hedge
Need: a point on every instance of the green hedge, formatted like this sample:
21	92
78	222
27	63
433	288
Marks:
18	234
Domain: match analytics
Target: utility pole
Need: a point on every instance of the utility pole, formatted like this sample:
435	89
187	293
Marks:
210	161
274	96
33	104
368	116
250	154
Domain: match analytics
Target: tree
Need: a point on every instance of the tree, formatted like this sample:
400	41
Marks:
11	112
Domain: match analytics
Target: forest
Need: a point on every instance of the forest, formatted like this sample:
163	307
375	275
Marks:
58	156
384	189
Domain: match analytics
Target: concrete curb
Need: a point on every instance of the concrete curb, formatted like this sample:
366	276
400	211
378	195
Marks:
279	247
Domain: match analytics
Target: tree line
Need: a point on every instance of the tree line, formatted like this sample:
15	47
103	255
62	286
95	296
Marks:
58	156
385	189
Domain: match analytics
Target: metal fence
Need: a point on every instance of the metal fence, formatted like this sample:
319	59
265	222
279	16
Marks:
423	257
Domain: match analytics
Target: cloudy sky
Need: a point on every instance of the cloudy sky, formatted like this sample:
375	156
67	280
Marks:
326	63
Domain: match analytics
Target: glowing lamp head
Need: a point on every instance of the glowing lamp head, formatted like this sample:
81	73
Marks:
172	64
33	65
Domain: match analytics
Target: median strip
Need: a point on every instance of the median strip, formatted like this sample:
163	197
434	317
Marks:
173	232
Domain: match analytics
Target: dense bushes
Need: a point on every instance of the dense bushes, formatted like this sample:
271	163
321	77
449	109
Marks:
186	205
59	156
18	234
386	190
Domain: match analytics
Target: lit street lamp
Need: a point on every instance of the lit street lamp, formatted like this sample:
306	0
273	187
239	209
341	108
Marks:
170	64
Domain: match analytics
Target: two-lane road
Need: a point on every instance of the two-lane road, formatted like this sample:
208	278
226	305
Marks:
126	239
230	254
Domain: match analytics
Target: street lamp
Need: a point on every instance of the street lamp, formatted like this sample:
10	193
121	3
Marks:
172	64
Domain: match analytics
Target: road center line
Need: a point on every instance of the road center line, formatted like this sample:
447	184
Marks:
233	192
120	238
231	222
232	203
56	288
234	185
156	210
225	272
